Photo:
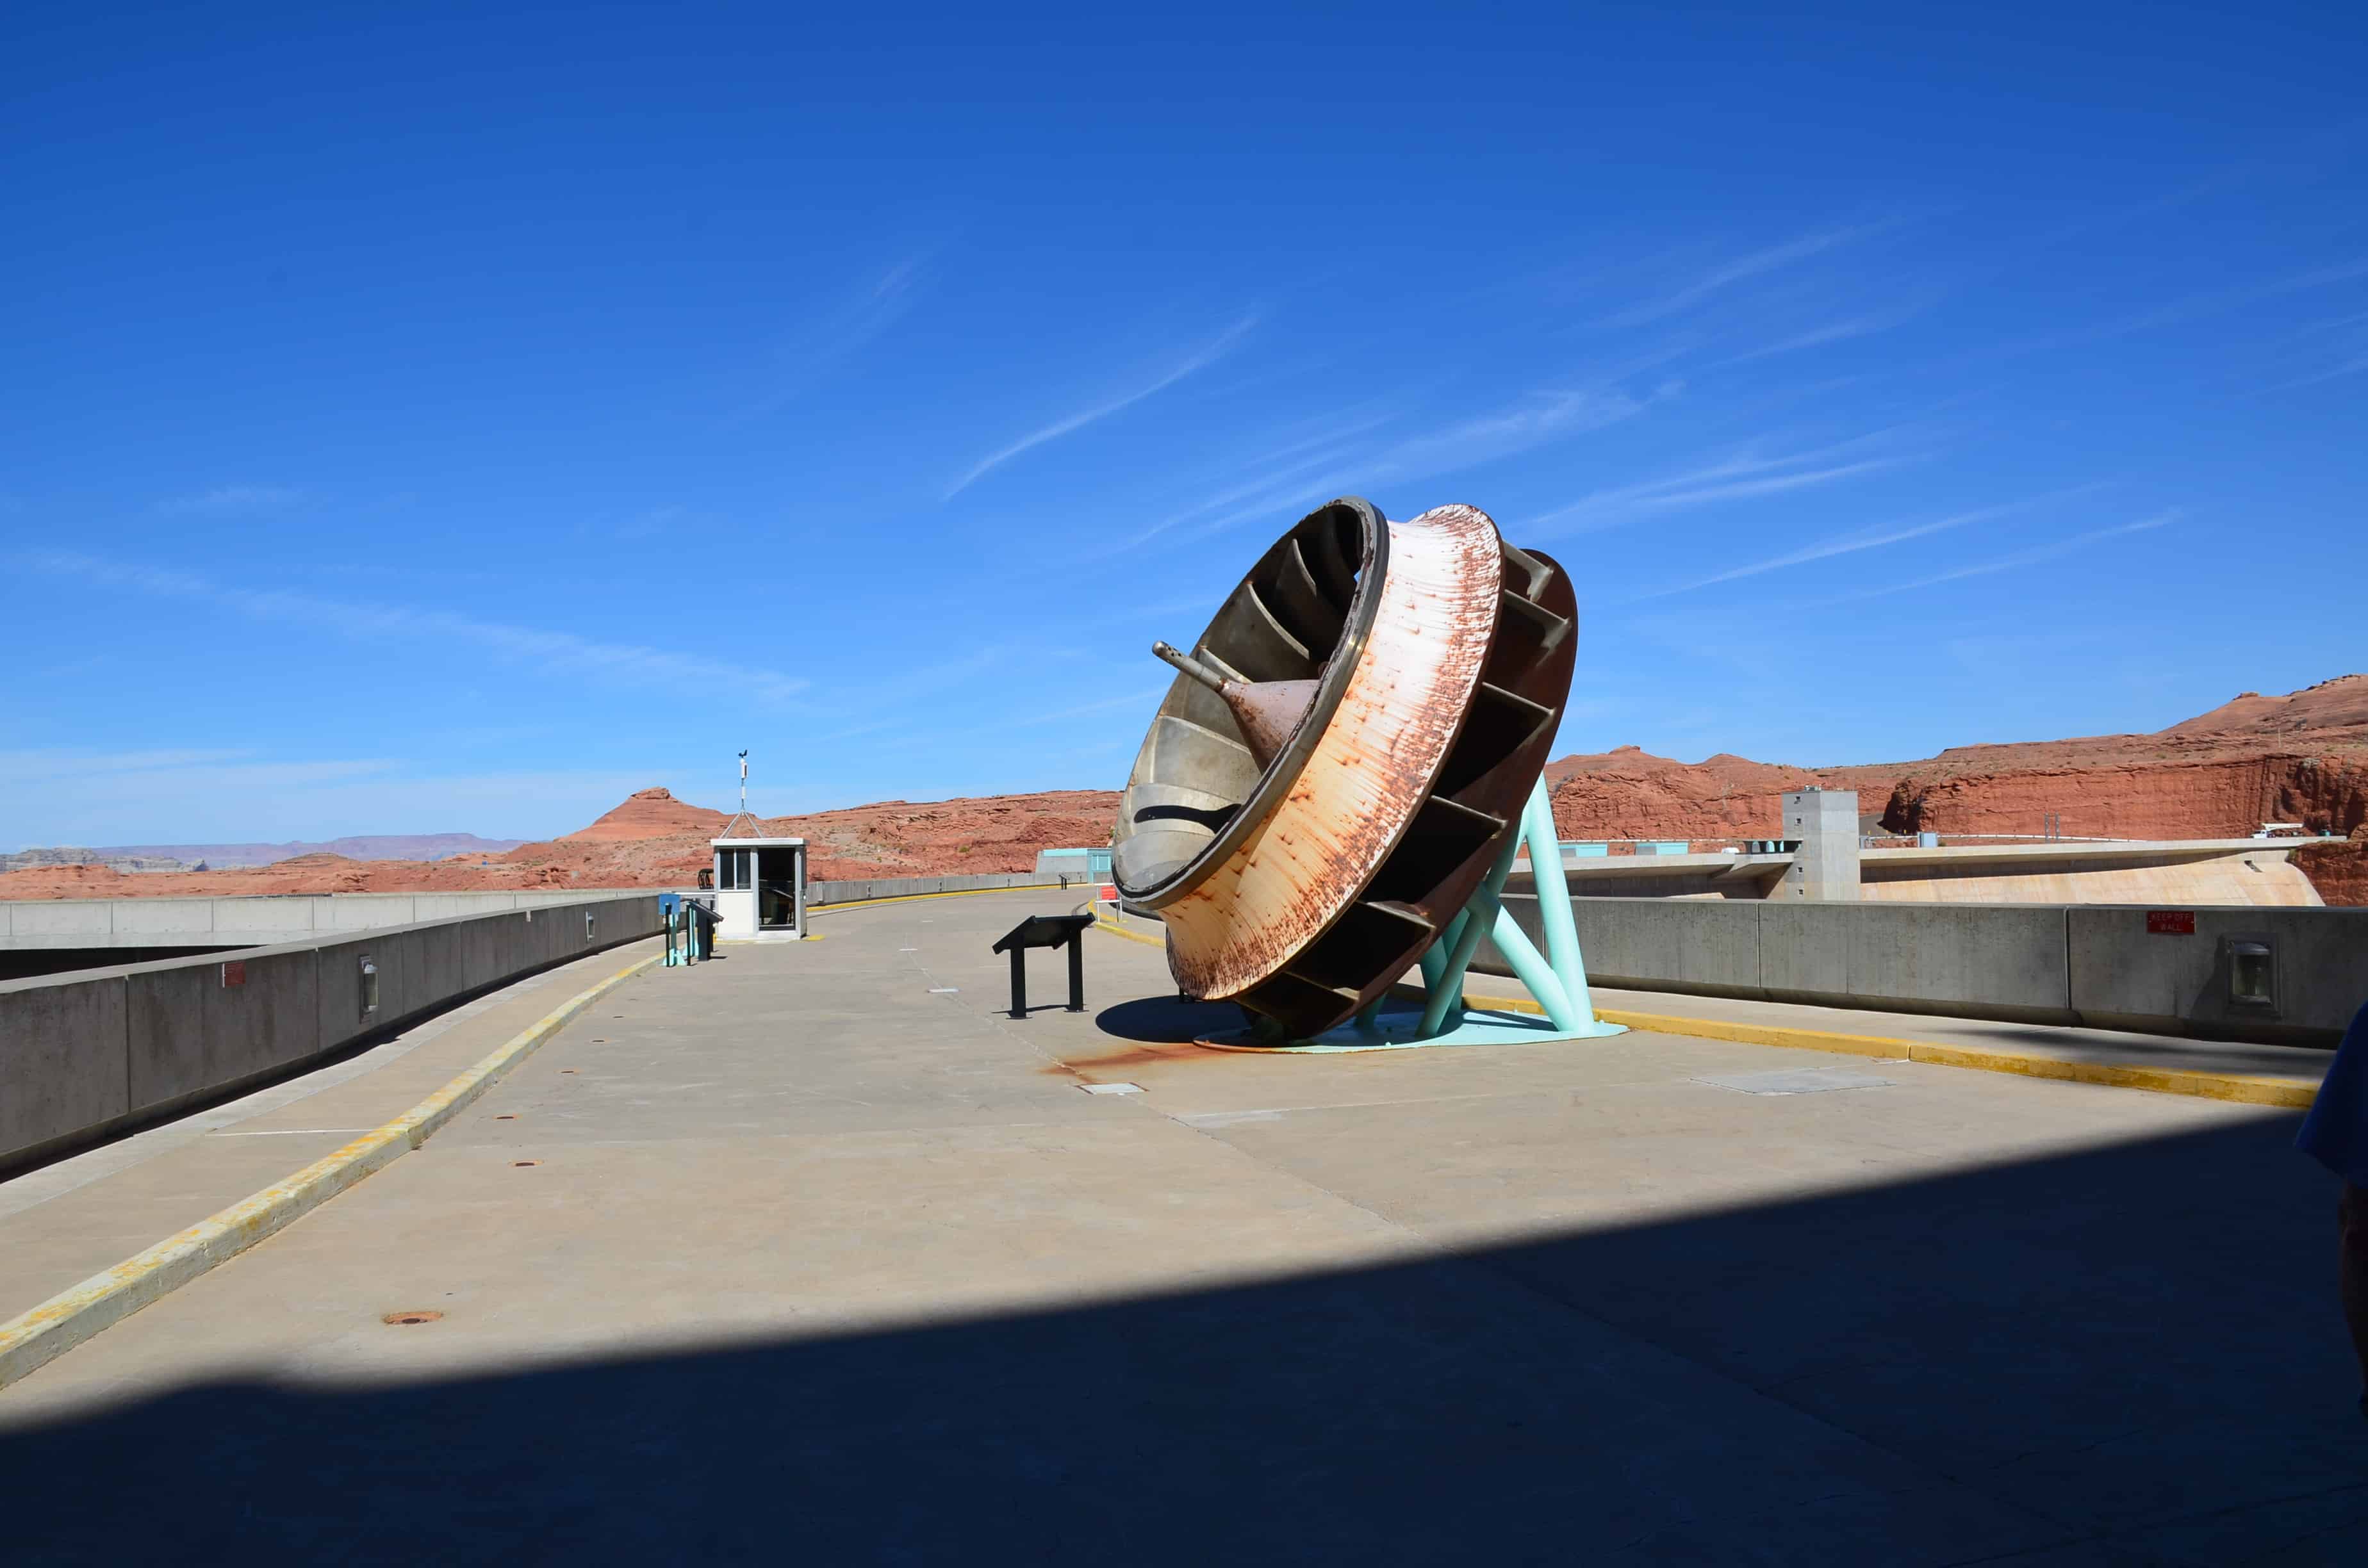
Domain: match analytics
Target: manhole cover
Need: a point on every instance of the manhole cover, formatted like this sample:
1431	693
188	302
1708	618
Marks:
416	1314
1112	1089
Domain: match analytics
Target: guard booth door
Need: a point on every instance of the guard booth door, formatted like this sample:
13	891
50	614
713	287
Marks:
777	890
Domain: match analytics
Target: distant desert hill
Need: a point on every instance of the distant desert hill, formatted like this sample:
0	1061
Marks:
648	813
2301	758
638	843
377	847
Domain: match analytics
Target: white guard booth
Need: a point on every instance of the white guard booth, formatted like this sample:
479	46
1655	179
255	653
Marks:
760	884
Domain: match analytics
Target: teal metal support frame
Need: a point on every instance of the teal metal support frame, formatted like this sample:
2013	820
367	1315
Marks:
1557	978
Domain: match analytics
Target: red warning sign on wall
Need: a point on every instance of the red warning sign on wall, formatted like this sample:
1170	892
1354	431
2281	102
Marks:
2170	922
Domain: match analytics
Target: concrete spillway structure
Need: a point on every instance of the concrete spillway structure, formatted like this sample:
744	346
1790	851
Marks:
2237	872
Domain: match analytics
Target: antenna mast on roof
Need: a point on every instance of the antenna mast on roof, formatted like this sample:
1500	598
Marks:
744	782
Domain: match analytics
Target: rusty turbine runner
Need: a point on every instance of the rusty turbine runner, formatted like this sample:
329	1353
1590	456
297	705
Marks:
1343	755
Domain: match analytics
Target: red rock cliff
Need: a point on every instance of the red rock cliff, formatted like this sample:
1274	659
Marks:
2302	757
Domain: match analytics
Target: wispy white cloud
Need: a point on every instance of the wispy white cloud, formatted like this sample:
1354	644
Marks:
2030	557
2351	367
1199	359
654	523
1141	698
1842	330
1770	484
1741	475
1532	421
1258	496
235	498
1729	273
2191	307
2332	347
1860	539
1362	466
18	767
1329	433
837	331
563	653
80	798
895	689
1125	712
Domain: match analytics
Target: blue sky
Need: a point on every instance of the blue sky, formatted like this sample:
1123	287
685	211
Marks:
450	420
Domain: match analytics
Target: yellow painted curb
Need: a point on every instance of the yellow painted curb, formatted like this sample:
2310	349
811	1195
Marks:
2241	1089
35	1337
1117	930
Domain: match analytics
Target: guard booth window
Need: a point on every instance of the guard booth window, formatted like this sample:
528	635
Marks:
737	870
776	888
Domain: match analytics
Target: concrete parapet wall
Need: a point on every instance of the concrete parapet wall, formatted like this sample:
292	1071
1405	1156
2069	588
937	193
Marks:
1711	948
64	1062
97	1051
855	891
2121	971
255	921
2099	965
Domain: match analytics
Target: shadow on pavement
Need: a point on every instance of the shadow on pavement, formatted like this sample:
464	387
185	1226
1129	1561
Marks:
2122	1356
1167	1020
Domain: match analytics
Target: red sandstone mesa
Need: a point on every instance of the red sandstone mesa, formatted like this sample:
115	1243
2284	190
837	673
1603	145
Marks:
2299	758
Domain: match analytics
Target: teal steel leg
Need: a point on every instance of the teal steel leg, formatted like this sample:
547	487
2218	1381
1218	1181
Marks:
1434	957
1534	971
1557	977
1553	897
1553	905
1477	916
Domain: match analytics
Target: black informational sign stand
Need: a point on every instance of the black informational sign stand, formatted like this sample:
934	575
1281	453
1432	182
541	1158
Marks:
1046	931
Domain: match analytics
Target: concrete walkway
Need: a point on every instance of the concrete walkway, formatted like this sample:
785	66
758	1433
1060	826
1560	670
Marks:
810	1256
66	1221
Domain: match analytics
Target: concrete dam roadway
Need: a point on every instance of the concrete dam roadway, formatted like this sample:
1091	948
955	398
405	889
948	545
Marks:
812	1255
